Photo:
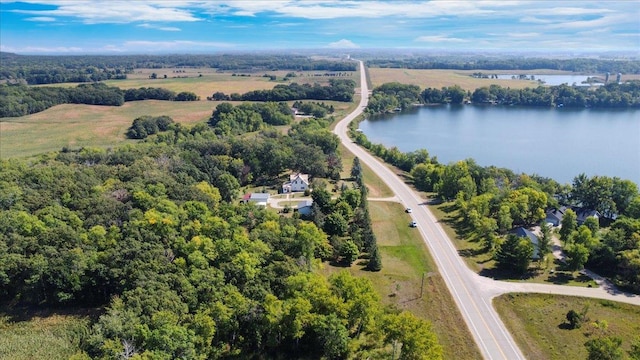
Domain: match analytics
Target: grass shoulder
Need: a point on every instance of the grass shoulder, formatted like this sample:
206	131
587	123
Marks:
405	260
538	323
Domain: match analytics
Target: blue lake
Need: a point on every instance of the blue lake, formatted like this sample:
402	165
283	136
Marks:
552	142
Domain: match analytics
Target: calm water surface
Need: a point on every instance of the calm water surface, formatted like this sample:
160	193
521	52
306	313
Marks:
556	143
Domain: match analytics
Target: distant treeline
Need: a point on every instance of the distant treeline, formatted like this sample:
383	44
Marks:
582	65
338	90
58	69
20	100
392	96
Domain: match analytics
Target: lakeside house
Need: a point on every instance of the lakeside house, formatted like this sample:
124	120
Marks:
524	233
297	183
260	199
554	216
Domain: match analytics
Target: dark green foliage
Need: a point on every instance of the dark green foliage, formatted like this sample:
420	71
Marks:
227	119
187	96
574	319
392	96
148	125
316	109
515	254
375	261
338	90
605	348
148	93
20	100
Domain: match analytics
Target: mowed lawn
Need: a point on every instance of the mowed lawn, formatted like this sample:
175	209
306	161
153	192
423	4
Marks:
441	78
405	260
76	126
537	322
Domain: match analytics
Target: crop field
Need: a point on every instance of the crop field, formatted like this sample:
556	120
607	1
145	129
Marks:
88	125
538	323
441	78
206	81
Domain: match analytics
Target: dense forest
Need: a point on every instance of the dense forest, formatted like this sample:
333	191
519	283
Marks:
392	96
154	233
492	201
20	100
477	62
58	69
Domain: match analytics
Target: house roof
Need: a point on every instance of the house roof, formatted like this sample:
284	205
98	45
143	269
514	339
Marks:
303	177
522	232
557	213
259	196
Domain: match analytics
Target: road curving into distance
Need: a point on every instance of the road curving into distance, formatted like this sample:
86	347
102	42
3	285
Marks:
472	293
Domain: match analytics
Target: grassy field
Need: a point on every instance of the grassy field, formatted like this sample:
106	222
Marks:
536	321
206	81
441	78
405	259
42	335
88	125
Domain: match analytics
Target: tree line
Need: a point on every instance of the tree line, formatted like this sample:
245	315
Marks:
20	100
38	69
337	90
153	232
392	96
491	202
478	62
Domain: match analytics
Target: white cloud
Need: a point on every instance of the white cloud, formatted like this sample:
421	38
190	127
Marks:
41	18
524	35
343	44
156	27
439	38
96	12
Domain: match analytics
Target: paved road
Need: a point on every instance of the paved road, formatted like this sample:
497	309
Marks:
472	293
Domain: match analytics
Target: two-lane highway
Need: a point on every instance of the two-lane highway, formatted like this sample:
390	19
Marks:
471	292
489	332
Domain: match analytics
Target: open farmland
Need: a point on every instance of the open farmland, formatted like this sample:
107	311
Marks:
441	78
206	81
88	125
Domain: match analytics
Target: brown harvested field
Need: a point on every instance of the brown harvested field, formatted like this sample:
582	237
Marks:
441	78
88	125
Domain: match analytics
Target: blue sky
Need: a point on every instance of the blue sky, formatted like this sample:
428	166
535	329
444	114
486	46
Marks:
177	26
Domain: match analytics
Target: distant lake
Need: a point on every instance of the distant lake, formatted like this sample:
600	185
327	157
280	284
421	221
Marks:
552	142
560	79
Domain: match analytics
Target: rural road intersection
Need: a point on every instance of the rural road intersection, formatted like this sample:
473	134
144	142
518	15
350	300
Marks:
472	293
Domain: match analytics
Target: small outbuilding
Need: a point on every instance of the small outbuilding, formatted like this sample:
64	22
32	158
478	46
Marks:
260	199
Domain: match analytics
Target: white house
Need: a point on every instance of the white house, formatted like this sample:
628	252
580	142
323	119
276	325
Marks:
297	182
